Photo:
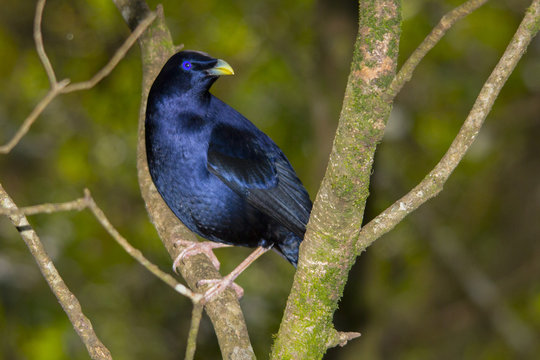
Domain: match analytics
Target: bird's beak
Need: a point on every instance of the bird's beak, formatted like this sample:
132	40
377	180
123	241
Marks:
221	68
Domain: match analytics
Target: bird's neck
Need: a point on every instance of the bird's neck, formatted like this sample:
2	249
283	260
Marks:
199	98
194	101
178	113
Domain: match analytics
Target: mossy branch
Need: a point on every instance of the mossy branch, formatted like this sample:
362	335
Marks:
433	183
328	250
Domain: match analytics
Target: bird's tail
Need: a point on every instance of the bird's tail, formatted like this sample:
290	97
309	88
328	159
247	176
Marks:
288	248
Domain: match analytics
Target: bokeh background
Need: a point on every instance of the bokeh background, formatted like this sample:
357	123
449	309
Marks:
459	279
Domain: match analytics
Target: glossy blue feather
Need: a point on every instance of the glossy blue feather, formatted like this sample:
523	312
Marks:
221	176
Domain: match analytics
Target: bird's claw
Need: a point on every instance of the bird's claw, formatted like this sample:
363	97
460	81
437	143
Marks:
219	286
222	284
194	248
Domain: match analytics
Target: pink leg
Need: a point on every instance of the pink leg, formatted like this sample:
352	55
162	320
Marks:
222	284
237	288
194	248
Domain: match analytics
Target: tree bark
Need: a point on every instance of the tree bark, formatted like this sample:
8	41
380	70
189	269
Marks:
328	250
224	312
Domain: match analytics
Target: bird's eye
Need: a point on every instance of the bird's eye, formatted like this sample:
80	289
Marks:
186	65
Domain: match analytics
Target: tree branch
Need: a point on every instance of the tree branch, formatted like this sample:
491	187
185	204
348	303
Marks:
224	311
433	183
38	39
62	87
341	338
118	55
196	316
49	208
68	301
88	202
136	254
446	22
27	123
328	250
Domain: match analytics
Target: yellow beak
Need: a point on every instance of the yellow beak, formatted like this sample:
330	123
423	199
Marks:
221	68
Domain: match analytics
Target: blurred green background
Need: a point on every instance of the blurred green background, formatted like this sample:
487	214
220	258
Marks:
457	279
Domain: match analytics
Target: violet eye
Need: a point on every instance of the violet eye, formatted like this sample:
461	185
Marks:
186	65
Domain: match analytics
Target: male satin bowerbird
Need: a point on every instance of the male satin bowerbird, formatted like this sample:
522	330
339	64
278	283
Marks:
221	176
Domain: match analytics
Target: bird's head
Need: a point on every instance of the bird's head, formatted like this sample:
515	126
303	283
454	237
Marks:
195	71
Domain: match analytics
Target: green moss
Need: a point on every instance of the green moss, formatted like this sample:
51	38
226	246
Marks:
343	186
393	48
535	26
385	80
166	44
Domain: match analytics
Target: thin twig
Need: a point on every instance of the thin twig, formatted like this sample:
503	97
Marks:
66	298
196	316
119	55
136	254
340	338
433	183
53	92
446	22
88	202
62	87
75	205
38	38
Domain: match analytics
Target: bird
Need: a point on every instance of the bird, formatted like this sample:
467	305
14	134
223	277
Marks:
224	179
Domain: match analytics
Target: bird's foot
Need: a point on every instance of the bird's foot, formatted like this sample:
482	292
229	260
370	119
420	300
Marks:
219	286
194	248
222	284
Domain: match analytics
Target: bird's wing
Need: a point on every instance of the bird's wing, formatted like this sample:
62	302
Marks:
259	172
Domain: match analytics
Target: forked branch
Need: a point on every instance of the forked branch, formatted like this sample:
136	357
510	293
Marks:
63	86
435	180
87	202
446	22
68	301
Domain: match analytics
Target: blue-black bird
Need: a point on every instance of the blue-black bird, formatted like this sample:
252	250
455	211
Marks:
221	176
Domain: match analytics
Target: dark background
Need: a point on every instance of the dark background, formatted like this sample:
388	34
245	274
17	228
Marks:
457	279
